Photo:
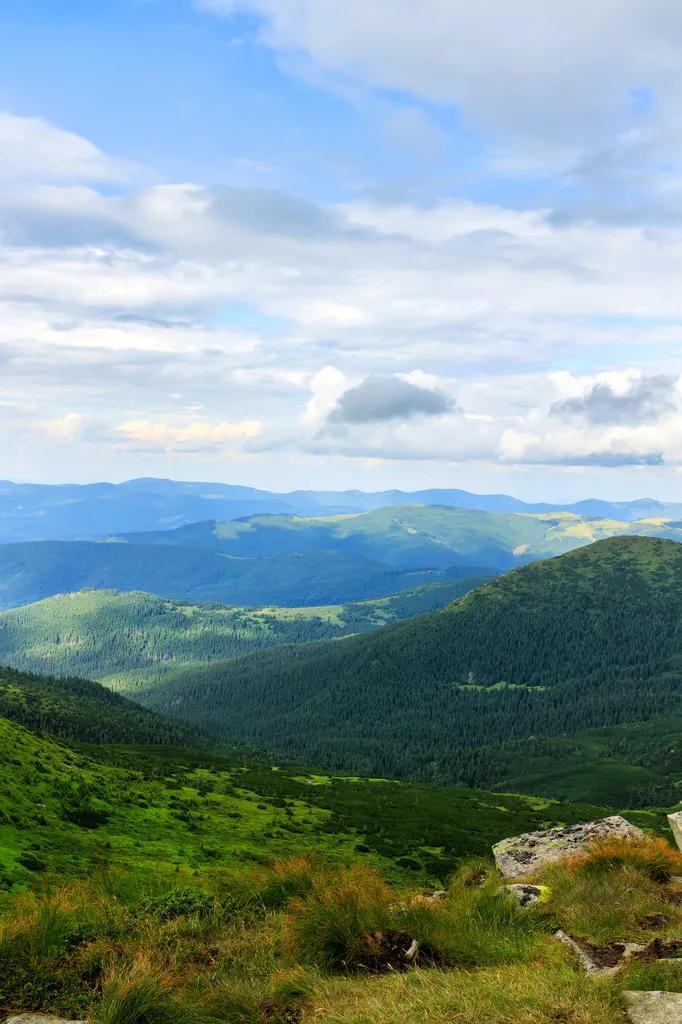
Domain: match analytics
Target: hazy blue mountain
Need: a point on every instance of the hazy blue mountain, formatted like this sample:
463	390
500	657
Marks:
304	560
90	511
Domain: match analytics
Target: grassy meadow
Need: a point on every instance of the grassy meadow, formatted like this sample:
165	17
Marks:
302	941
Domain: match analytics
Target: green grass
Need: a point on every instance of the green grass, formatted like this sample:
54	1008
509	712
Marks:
225	955
178	811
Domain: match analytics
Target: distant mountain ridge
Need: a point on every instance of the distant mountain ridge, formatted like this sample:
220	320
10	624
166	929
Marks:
305	560
88	511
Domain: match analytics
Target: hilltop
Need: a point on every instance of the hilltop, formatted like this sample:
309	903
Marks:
589	639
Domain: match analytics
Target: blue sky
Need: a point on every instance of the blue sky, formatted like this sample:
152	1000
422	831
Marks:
225	223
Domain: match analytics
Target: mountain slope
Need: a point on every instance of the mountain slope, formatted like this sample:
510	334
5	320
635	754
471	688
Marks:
588	639
102	634
408	537
171	813
78	709
30	572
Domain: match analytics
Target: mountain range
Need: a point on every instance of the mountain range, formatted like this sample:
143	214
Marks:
305	560
86	511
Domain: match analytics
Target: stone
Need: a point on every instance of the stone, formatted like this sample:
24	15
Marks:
39	1018
520	856
527	895
676	826
654	1007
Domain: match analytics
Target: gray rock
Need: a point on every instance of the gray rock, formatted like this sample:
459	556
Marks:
676	826
654	1007
520	856
39	1018
526	895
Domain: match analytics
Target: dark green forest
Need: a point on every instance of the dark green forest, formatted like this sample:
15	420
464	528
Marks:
78	709
589	639
130	639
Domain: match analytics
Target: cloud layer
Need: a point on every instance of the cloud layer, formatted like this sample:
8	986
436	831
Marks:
527	315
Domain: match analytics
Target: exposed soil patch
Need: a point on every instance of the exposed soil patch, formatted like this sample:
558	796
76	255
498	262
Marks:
608	955
389	951
674	895
660	949
650	922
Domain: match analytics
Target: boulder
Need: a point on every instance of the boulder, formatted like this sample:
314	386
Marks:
676	826
39	1018
521	856
653	1007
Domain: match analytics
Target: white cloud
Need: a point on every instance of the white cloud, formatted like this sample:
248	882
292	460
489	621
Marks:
197	432
64	428
35	150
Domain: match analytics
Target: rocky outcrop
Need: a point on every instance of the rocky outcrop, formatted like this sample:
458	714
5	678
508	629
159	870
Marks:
676	826
522	855
653	1007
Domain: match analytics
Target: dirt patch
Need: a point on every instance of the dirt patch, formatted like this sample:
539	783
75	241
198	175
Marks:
674	895
608	955
389	951
650	922
661	949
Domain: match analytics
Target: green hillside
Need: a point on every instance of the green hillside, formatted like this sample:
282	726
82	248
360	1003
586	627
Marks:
294	560
78	709
409	536
586	640
154	809
107	635
634	765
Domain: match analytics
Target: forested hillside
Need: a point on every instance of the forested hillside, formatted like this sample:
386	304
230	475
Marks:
78	709
588	639
30	572
106	634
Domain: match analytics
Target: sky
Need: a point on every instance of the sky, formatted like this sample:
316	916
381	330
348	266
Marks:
304	243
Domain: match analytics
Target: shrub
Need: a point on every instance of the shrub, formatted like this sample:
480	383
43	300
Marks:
474	926
180	901
329	926
140	993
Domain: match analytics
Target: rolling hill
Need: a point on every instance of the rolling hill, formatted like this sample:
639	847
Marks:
90	511
586	640
295	560
132	639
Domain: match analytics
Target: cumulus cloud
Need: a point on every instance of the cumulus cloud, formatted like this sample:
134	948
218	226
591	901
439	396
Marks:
646	398
380	398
